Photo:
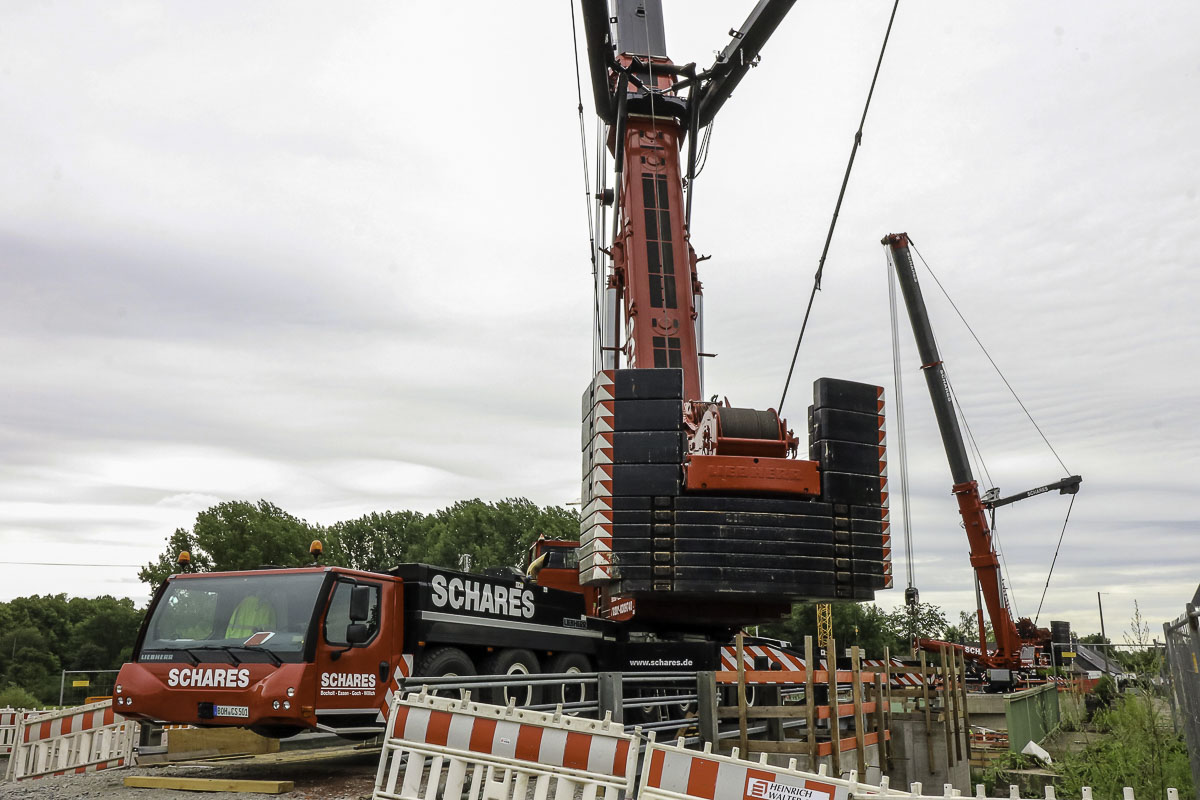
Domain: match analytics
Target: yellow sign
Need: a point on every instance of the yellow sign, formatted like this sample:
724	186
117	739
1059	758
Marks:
84	682
1068	654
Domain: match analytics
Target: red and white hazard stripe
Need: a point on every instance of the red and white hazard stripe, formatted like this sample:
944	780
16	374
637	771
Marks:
674	773
501	752
72	741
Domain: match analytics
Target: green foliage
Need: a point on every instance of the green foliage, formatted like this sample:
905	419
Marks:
236	535
862	624
14	696
241	535
923	621
1105	690
43	635
1141	750
967	629
997	775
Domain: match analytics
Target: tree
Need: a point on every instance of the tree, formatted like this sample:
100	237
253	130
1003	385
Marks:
377	541
493	534
967	629
862	624
923	621
236	535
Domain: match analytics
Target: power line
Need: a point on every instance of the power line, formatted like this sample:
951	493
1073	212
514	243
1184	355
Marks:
64	564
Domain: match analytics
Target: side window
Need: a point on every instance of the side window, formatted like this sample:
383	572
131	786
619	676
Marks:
337	618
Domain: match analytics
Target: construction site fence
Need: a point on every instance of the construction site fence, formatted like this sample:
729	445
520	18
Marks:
71	741
1031	715
442	747
1183	668
9	717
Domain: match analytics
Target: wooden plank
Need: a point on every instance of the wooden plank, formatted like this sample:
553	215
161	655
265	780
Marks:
966	715
743	734
880	725
794	747
835	728
946	707
956	712
810	703
207	784
928	721
886	761
792	712
856	695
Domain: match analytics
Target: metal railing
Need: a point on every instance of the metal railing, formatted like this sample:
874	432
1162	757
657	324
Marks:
1183	667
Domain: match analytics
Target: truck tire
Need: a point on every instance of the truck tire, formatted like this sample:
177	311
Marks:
444	662
570	691
516	663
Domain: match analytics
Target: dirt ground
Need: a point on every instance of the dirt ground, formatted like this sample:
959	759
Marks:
335	773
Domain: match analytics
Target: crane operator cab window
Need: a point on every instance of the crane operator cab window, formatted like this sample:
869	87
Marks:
353	615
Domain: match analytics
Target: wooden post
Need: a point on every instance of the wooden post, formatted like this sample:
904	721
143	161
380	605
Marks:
928	720
966	714
957	702
706	706
887	713
880	725
946	708
743	734
810	669
835	726
856	693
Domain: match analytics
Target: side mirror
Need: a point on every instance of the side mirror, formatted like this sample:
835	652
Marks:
356	632
360	603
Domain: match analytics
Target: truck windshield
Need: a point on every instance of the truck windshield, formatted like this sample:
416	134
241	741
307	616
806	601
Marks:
249	618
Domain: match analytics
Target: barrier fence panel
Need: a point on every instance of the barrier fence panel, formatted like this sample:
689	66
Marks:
1183	663
438	747
8	729
821	713
672	772
71	741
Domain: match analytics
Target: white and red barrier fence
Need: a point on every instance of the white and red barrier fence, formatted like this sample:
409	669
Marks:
71	741
9	717
437	747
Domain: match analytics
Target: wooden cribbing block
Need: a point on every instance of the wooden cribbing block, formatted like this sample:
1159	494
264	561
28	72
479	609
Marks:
207	784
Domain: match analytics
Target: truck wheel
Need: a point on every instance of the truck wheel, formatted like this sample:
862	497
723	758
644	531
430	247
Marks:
445	662
570	691
513	663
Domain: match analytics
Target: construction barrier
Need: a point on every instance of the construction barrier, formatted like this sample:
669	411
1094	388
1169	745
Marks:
437	747
9	717
71	741
672	772
8	729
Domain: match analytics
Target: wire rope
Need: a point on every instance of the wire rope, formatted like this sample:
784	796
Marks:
899	428
1054	561
989	357
837	207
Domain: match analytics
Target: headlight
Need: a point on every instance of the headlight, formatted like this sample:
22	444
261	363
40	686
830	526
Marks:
275	705
286	704
118	688
291	691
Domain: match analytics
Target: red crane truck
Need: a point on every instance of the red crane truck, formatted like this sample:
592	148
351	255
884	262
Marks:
698	518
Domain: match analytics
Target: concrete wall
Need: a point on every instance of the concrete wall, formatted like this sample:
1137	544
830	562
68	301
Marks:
910	758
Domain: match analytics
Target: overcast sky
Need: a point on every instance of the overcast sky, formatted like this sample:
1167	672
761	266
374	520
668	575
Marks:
335	256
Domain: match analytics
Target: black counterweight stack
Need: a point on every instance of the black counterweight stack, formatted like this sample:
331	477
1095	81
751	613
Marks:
642	536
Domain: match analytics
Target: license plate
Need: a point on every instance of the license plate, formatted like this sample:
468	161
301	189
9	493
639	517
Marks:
232	711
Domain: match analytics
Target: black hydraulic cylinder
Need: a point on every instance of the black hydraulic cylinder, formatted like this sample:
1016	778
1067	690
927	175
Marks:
931	362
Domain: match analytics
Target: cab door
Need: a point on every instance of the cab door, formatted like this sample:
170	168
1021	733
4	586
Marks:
354	655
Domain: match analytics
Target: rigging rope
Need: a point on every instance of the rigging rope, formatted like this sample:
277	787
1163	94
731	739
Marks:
989	358
837	208
899	430
1052	563
587	194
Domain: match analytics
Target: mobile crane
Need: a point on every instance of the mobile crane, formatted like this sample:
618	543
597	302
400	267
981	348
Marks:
698	518
1016	641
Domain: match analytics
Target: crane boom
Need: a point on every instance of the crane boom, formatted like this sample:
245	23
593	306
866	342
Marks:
984	559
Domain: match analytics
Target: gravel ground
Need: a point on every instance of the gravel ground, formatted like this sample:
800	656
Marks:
335	773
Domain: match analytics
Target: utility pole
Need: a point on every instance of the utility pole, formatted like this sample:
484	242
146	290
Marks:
1102	634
